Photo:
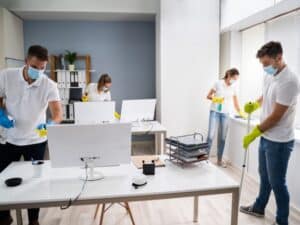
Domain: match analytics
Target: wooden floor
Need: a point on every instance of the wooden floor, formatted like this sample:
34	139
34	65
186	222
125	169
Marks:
213	210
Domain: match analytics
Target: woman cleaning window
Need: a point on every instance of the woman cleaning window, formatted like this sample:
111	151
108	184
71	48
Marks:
222	95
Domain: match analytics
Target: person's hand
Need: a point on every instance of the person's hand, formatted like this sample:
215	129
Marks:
117	115
5	121
218	100
41	129
243	114
250	107
85	98
249	138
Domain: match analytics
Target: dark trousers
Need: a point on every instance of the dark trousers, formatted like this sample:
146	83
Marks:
10	153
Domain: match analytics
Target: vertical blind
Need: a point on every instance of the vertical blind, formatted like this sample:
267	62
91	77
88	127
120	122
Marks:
285	29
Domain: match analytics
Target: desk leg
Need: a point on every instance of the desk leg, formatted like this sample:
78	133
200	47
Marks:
163	144
235	207
157	142
196	205
19	216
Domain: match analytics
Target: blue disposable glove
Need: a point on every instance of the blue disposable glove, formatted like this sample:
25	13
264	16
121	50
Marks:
4	120
44	125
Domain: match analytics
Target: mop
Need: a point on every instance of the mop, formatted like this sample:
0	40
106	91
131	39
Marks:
245	157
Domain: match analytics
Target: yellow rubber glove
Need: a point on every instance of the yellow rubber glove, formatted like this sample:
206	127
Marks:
85	98
250	107
42	132
117	115
218	100
249	138
242	114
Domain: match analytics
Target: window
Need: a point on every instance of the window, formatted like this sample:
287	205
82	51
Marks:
251	70
286	29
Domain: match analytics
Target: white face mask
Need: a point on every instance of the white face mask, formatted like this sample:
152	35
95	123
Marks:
105	89
232	81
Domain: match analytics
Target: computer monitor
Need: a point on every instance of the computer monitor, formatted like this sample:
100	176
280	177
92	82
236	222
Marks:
75	94
94	112
94	145
138	110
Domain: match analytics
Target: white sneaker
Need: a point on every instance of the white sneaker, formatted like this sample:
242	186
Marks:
222	164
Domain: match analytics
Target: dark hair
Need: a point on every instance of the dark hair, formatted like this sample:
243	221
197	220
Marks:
38	51
271	49
104	79
231	73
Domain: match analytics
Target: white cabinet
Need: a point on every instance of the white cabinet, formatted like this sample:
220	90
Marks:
234	152
11	37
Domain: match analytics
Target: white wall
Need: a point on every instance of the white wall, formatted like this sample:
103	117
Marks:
233	11
11	36
234	152
120	6
189	53
230	51
224	52
238	15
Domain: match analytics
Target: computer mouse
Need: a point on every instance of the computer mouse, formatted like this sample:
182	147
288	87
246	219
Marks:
13	182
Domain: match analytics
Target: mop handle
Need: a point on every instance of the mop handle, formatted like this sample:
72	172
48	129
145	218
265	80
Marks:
245	155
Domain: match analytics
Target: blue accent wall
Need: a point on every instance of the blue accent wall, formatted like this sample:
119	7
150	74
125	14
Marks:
125	50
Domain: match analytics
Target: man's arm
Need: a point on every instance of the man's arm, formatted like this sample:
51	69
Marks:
1	103
274	118
56	111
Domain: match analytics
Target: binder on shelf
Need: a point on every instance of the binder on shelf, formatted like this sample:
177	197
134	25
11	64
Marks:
71	111
63	78
64	112
59	75
82	79
61	93
68	79
67	111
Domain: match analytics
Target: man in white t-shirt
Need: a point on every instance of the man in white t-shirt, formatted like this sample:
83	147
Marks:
25	95
278	101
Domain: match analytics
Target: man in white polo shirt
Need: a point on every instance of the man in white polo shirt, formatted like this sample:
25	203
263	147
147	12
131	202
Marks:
278	102
25	95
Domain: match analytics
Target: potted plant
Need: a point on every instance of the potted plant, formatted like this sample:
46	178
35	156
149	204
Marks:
71	58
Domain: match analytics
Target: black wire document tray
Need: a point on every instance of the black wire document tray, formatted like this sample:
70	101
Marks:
187	149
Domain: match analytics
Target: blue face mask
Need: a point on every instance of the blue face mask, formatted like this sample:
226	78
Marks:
33	73
270	70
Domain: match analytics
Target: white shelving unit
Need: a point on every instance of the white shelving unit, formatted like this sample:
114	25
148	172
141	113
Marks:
71	84
67	80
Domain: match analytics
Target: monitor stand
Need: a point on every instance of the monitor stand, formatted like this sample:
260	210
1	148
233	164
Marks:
91	175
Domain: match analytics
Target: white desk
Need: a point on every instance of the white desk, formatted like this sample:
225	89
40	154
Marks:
152	127
56	186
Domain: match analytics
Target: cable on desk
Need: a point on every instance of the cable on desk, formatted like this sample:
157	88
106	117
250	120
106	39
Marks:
71	201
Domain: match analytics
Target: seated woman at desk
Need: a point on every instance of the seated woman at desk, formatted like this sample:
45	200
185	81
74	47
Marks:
100	91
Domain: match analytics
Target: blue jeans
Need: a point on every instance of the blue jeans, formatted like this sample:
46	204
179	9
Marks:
273	164
220	120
